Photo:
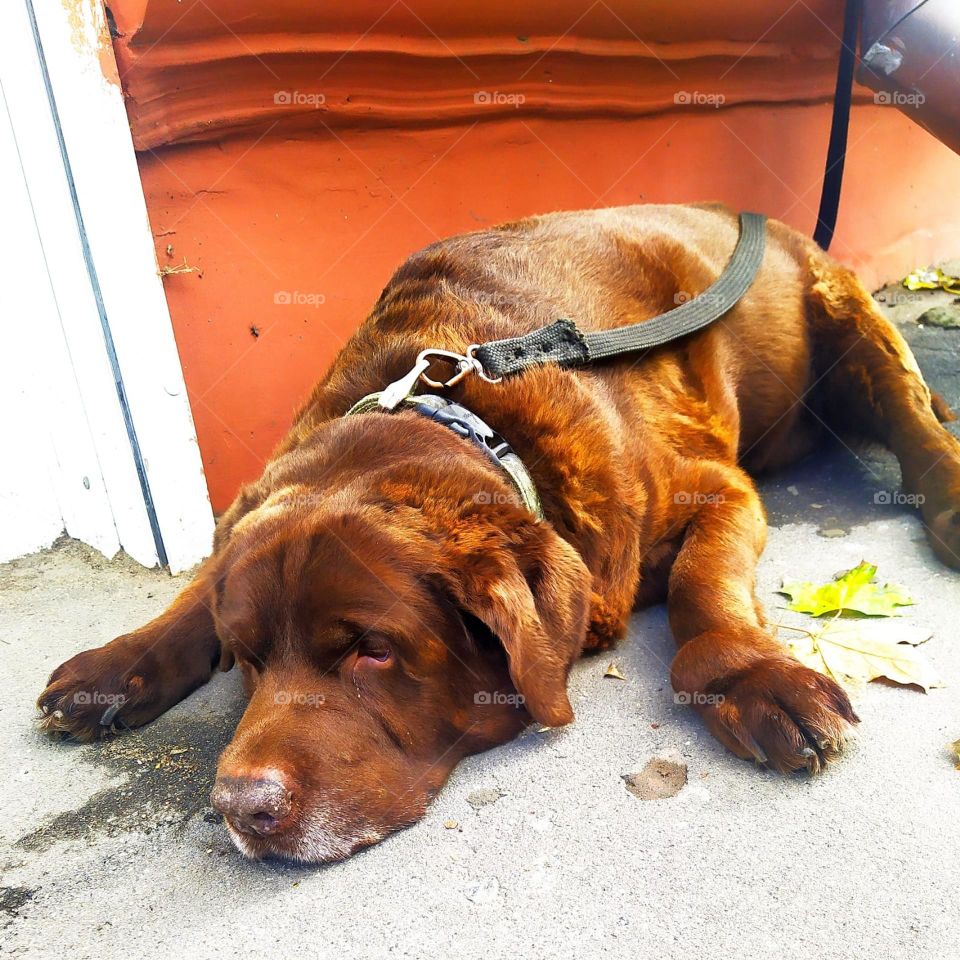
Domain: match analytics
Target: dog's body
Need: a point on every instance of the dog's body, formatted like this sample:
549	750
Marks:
391	601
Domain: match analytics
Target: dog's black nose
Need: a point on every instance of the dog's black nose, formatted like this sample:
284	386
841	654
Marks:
252	805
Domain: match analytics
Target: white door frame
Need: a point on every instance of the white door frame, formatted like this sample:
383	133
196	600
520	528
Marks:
95	356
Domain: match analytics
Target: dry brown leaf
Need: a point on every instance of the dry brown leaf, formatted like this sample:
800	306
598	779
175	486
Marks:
889	630
955	750
853	652
613	671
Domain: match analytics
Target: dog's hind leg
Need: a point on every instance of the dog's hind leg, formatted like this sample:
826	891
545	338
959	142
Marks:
870	384
133	679
755	698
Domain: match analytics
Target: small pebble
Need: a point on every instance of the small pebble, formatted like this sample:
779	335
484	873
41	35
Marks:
451	824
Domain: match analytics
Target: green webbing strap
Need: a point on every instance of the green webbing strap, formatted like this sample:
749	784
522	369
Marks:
564	344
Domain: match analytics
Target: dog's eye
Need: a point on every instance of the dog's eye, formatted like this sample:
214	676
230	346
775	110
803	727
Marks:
375	649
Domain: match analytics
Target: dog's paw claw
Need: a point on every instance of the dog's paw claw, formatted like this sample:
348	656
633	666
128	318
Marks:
86	697
781	714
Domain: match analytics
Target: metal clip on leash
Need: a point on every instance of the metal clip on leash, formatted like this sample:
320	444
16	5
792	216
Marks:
467	363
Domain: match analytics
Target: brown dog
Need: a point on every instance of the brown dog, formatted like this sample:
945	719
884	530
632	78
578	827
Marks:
394	607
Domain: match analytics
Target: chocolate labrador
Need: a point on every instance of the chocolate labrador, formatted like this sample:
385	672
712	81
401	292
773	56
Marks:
396	599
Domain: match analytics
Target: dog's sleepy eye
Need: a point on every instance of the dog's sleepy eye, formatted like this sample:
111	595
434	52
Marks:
375	649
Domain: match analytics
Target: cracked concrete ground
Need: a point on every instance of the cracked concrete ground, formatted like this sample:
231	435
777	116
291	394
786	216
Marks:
111	850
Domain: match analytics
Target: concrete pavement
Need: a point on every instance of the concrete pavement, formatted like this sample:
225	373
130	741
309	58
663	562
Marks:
111	850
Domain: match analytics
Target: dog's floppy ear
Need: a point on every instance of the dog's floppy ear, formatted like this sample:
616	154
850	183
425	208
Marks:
532	591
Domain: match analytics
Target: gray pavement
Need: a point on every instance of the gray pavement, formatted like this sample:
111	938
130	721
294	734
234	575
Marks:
111	850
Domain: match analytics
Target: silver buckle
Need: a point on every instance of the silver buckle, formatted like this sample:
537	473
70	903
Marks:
467	363
464	364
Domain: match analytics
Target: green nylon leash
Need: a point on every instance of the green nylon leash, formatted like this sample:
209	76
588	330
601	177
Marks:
563	344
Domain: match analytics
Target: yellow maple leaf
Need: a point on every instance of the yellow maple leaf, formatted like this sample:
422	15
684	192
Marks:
852	591
853	652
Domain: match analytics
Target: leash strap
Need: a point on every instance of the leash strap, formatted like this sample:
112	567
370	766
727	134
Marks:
564	344
837	147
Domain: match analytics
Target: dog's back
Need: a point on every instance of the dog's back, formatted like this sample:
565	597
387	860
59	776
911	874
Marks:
605	268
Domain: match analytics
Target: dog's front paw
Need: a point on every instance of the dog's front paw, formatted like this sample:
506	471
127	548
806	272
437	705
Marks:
778	712
943	532
93	693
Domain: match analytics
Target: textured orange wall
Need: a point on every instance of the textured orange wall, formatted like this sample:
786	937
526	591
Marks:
316	203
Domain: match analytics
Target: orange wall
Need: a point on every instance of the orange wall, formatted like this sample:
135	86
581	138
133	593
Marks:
322	202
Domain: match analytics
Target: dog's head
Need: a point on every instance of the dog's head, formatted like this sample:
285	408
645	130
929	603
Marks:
380	647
